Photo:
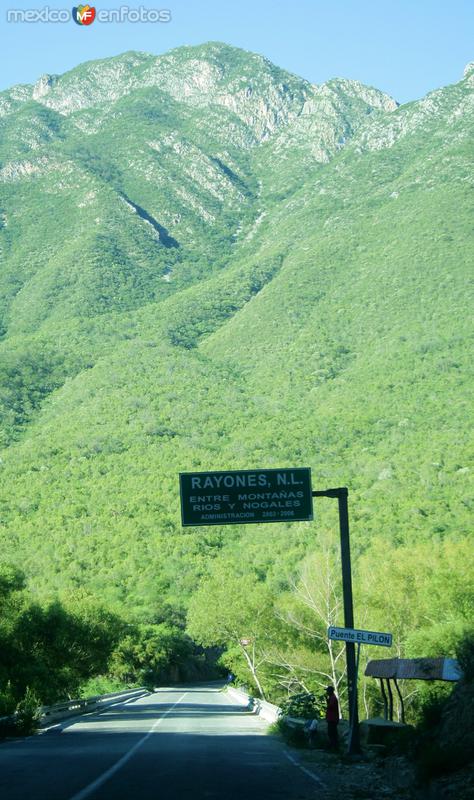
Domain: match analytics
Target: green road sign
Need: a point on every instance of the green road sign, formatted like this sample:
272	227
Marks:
246	496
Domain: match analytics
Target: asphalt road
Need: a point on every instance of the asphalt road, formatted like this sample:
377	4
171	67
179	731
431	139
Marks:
188	742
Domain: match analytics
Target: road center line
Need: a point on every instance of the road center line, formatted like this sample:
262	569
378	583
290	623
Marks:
307	772
88	790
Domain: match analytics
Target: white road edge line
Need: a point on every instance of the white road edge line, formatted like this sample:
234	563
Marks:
308	772
88	790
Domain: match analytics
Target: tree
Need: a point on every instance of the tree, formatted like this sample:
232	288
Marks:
236	612
308	610
152	653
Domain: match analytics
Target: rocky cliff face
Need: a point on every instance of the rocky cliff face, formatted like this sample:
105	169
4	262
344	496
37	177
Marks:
194	138
264	97
197	137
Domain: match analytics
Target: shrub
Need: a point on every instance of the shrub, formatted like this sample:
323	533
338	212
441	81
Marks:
27	713
7	701
434	761
303	705
432	709
465	655
101	684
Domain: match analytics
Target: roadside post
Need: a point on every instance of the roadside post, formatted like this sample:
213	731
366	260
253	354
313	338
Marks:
342	494
240	497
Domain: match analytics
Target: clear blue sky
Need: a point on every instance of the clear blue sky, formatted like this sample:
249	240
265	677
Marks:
405	47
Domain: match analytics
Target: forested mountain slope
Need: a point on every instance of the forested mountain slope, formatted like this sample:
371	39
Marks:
209	263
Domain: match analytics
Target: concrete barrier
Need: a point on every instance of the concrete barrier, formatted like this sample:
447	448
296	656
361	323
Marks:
268	711
295	722
264	709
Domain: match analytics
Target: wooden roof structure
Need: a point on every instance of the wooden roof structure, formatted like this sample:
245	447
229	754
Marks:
414	669
420	669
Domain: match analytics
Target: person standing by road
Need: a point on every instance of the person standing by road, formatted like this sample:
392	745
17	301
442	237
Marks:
332	718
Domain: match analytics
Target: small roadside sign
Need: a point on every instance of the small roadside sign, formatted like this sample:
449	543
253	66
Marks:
360	637
246	496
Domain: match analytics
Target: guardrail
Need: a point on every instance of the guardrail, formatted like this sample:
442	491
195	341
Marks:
82	705
69	708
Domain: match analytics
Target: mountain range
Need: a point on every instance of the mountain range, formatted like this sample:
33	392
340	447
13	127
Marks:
210	263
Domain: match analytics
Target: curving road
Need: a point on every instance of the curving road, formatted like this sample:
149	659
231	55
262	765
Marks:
192	743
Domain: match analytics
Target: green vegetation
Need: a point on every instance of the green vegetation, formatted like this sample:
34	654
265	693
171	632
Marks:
446	729
465	655
76	646
197	275
304	706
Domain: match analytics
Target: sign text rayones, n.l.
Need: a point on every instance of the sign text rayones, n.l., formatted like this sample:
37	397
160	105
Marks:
246	496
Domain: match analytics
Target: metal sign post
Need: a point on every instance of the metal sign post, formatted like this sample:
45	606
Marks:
356	683
342	494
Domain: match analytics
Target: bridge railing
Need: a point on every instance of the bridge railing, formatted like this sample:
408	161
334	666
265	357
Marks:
81	705
84	705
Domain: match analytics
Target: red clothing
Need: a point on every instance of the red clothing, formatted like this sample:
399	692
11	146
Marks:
332	708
